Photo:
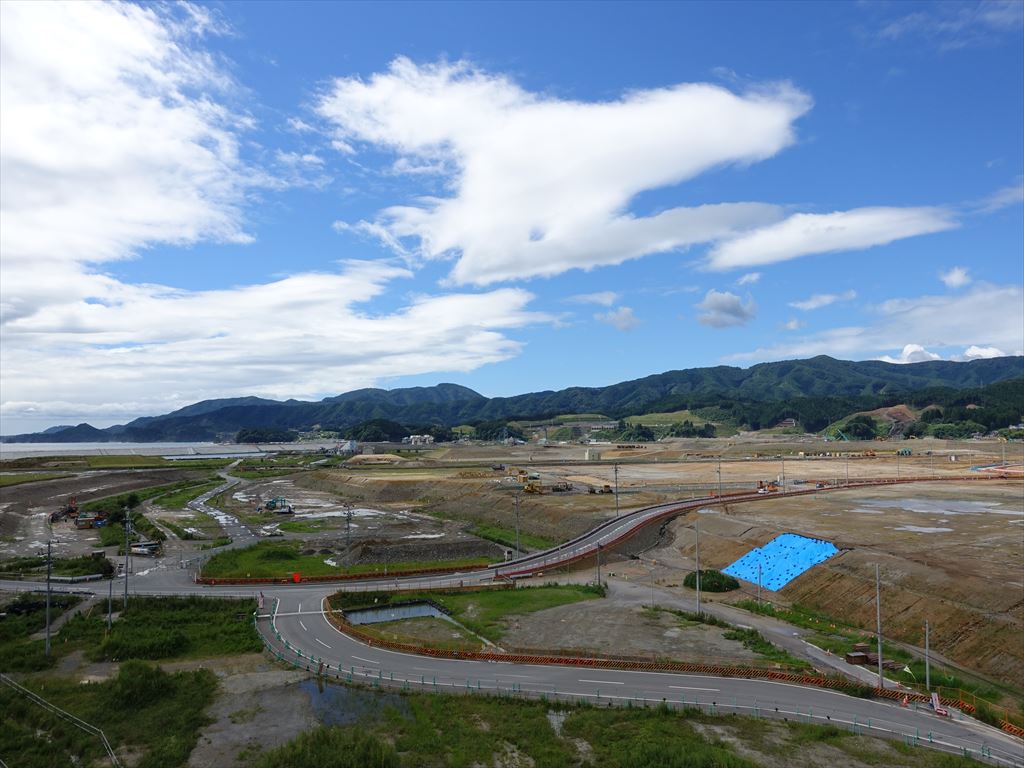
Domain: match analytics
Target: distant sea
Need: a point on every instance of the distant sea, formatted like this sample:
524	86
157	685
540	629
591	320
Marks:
169	450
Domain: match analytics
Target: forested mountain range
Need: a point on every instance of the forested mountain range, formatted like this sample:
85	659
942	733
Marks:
809	388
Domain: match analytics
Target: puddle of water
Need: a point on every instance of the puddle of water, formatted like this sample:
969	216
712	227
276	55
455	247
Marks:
922	529
929	507
338	705
393	613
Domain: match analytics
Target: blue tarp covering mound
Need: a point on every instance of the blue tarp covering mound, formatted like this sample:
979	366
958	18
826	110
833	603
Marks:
782	559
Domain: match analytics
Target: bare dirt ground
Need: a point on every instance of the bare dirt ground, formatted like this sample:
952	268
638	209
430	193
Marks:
951	554
25	508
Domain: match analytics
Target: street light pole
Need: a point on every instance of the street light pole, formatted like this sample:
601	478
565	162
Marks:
519	551
49	562
698	563
878	625
127	549
927	660
616	489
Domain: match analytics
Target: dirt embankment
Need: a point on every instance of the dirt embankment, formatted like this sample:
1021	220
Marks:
950	555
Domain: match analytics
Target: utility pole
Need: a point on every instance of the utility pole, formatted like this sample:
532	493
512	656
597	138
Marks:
878	625
519	550
927	660
348	525
759	584
49	562
110	601
599	564
127	549
698	563
616	489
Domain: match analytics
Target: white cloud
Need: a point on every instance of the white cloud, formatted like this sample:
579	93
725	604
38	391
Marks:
805	234
749	279
987	315
1006	197
974	352
912	353
955	25
793	324
114	136
819	300
956	277
604	298
542	185
725	310
620	317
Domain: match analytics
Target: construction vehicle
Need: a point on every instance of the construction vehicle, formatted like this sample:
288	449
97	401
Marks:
563	487
278	502
533	487
767	487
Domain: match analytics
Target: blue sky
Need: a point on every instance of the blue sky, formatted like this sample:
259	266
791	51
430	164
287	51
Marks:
298	199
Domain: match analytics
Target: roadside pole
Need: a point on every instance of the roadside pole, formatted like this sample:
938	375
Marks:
127	549
519	550
49	563
698	562
616	489
878	625
927	660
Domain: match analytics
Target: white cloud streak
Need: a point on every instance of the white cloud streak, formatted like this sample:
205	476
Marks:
819	300
749	279
987	315
542	185
806	234
604	298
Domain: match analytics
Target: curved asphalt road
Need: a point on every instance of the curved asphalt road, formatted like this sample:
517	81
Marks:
294	626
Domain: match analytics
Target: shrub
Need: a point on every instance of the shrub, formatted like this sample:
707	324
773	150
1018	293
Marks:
711	581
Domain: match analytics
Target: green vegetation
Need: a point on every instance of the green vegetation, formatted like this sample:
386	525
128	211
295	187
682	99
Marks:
304	526
839	638
711	581
164	628
25	477
270	559
507	536
86	565
483	612
26	615
334	747
159	716
266	435
179	499
754	641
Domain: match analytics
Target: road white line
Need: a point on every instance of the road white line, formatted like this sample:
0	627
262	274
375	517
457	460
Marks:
368	661
300	607
688	688
325	645
303	626
603	682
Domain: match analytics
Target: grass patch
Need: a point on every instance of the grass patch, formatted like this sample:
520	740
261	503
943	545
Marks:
164	628
483	612
754	641
271	559
426	631
180	499
26	615
507	536
334	747
220	541
8	480
114	506
303	526
86	565
157	714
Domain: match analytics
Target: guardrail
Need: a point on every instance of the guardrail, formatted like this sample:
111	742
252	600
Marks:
378	678
54	709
